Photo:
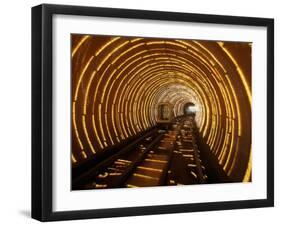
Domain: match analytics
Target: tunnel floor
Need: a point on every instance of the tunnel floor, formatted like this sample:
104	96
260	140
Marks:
169	156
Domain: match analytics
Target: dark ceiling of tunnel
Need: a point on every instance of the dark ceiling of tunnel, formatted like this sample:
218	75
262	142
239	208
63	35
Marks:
119	82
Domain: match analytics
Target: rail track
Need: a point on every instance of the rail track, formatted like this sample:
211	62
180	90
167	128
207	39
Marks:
164	157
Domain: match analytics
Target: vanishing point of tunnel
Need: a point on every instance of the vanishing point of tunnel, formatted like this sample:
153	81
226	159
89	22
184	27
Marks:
155	112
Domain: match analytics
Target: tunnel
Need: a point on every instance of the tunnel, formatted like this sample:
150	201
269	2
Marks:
157	111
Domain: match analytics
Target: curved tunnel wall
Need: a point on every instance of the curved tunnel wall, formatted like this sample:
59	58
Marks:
118	83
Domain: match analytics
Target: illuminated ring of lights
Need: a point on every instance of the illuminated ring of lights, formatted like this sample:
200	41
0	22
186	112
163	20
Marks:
223	93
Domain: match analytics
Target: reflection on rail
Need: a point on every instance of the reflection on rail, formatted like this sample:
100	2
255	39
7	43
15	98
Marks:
167	156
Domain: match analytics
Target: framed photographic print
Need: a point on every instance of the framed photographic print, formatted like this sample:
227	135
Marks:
147	112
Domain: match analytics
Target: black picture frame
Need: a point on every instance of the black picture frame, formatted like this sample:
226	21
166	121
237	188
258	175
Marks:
42	111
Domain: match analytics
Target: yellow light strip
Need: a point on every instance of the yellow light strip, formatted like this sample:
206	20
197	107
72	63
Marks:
113	123
87	92
110	54
108	131
87	135
155	43
188	44
100	79
235	156
217	61
75	126
229	153
107	44
81	77
240	72
237	106
175	44
79	44
73	159
216	150
129	58
101	127
95	130
128	50
135	40
222	151
247	176
84	155
105	86
95	102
